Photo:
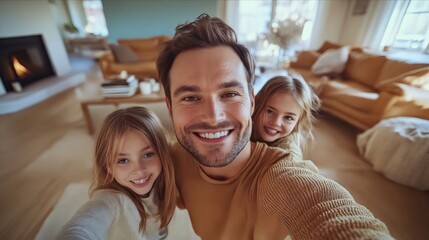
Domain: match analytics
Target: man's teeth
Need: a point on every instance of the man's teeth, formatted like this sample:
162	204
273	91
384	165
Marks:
140	181
214	135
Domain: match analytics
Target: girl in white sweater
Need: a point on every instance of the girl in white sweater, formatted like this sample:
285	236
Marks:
133	195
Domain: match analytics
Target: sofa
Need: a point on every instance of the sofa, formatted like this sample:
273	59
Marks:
136	56
363	88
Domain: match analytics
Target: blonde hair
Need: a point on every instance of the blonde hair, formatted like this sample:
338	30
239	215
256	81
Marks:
107	148
303	95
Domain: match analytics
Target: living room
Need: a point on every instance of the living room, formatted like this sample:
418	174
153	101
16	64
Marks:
51	150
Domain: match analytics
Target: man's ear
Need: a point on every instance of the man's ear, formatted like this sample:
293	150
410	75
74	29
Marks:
169	107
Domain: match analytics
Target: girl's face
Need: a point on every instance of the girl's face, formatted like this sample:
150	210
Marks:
138	164
279	118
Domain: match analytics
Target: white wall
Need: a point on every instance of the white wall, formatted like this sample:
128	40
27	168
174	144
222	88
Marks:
77	14
339	25
329	22
335	22
61	15
19	18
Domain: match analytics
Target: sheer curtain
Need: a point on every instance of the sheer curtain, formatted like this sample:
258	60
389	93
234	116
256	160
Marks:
252	21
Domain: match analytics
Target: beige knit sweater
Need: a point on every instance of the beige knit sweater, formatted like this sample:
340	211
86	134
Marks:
271	198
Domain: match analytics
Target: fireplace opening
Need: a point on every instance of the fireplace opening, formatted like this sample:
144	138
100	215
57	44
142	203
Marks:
23	61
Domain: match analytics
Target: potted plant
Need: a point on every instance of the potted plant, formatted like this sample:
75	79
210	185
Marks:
71	29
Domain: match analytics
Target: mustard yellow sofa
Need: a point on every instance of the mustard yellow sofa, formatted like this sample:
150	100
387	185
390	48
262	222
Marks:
370	88
136	56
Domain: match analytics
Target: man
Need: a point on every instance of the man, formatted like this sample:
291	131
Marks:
234	188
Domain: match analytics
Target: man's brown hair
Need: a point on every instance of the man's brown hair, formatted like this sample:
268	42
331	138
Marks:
204	32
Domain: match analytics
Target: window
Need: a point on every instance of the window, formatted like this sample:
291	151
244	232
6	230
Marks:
96	22
268	26
408	27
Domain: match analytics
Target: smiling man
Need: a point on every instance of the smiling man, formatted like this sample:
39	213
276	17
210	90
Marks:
234	188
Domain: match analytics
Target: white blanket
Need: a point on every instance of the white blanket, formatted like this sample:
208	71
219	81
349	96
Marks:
399	149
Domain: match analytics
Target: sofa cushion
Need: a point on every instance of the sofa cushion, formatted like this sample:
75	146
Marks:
392	68
145	48
305	59
331	62
404	157
123	54
364	67
417	78
143	68
350	93
328	45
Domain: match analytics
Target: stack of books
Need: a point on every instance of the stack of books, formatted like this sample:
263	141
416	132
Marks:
117	87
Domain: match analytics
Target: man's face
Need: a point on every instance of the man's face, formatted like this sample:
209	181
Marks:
211	106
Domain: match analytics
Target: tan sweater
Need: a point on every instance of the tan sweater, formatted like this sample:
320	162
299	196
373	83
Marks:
272	197
293	145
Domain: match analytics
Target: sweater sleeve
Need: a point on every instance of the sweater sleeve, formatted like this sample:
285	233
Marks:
311	206
94	219
293	147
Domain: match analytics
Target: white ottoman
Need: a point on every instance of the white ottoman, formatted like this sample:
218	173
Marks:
399	149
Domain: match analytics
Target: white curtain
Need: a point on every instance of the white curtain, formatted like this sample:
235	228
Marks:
377	23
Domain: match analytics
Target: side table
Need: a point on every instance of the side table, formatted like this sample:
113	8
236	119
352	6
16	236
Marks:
100	100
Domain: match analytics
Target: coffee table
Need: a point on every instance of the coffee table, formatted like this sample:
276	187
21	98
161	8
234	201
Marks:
98	99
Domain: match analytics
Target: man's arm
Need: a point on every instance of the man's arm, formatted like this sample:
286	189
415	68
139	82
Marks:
311	206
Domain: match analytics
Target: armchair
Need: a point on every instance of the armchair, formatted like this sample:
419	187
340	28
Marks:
136	56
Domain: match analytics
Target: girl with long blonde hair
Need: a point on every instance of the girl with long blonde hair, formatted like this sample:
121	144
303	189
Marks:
133	195
284	114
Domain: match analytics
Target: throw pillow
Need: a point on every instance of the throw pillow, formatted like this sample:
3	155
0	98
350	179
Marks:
364	67
328	45
124	54
331	62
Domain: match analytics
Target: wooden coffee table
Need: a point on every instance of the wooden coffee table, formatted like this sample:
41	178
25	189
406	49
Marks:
100	100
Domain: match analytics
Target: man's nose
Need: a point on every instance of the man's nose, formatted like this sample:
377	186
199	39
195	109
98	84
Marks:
213	111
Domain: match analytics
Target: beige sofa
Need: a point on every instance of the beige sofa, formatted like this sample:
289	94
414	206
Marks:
371	87
136	56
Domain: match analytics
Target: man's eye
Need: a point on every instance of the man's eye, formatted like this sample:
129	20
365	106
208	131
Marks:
123	161
189	99
230	94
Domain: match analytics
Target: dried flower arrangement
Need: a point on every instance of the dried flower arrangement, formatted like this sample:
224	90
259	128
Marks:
286	33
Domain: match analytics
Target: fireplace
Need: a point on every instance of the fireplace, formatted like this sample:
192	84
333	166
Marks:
23	61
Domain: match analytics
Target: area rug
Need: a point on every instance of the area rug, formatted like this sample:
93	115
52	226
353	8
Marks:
75	195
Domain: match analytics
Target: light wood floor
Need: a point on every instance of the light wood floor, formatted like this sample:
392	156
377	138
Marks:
25	135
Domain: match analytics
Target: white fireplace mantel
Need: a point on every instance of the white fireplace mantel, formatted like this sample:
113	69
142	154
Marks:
23	18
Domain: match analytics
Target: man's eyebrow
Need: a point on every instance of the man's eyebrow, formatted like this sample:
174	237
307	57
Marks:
185	88
234	83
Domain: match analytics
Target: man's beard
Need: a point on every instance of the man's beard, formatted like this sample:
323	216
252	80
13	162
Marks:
213	158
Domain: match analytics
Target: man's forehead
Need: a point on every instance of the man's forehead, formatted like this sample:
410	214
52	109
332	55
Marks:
208	63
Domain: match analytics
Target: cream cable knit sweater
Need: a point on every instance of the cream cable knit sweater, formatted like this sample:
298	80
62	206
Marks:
112	215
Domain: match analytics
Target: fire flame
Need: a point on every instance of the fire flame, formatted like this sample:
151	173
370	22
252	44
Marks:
19	68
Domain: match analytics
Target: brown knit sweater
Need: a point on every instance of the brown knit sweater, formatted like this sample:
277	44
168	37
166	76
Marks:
272	197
